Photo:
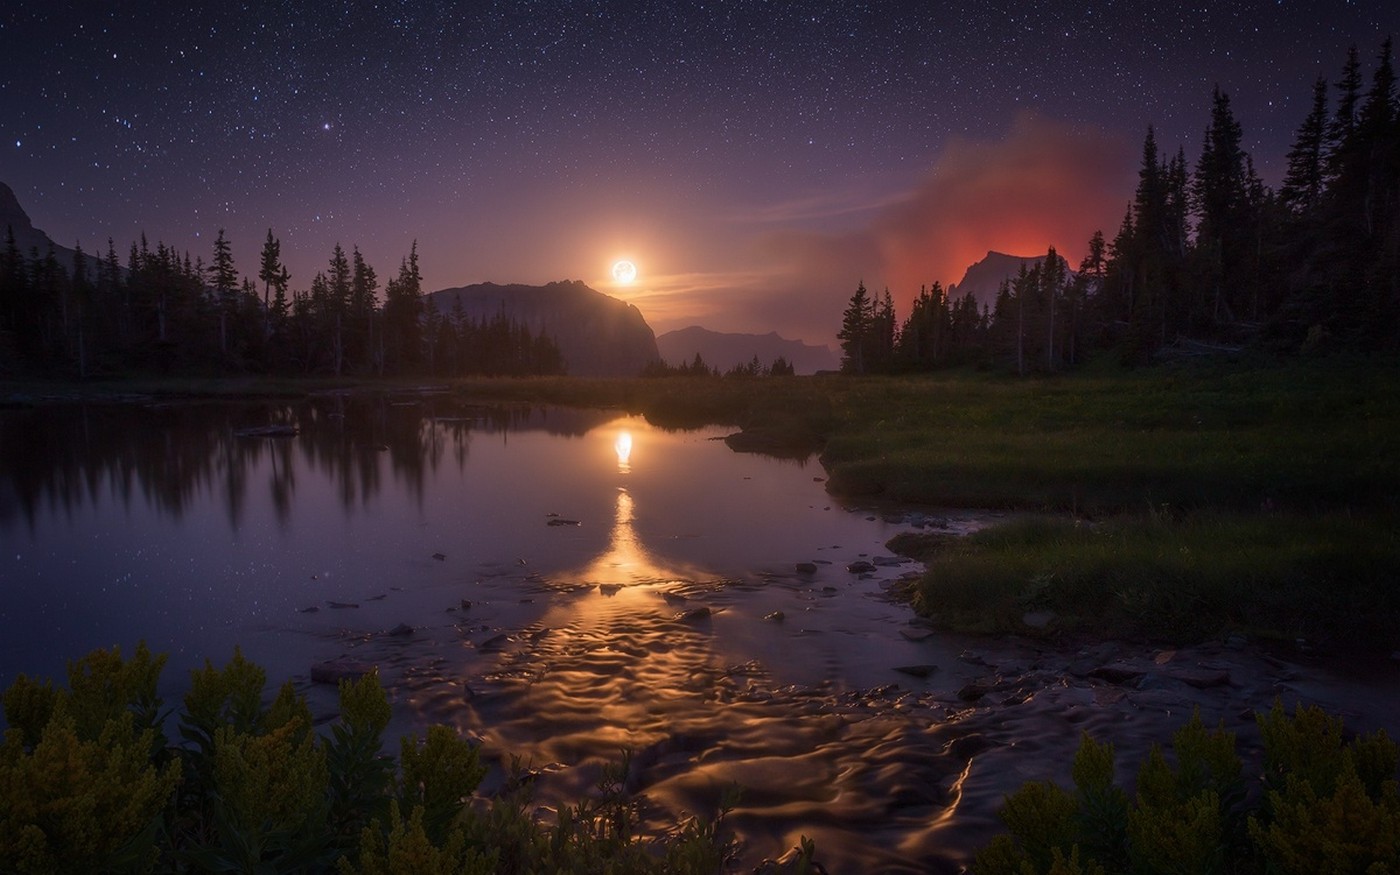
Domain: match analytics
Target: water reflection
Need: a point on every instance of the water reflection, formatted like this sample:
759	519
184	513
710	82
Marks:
626	558
623	446
65	457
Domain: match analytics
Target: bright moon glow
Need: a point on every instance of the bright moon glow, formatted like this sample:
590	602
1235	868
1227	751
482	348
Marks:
624	272
623	446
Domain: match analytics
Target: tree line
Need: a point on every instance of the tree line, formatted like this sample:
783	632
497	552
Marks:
697	367
1206	256
162	312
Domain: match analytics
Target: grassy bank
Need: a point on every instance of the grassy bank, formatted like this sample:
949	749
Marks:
1329	580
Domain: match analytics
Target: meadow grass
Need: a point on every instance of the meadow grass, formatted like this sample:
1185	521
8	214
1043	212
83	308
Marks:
1327	579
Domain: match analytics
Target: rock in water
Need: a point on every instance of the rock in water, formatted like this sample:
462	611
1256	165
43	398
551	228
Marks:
336	670
918	671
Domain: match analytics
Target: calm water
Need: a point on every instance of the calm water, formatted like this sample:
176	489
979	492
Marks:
163	523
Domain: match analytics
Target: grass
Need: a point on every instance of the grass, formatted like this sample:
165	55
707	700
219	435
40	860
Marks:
1327	579
1257	495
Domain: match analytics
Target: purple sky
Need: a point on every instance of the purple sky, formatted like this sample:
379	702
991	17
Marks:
755	159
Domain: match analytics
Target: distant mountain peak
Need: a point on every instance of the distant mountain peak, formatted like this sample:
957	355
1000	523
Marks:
983	278
27	237
11	213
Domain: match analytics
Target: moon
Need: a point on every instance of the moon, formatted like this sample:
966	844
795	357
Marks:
624	272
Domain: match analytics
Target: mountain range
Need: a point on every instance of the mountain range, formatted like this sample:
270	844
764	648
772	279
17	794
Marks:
724	351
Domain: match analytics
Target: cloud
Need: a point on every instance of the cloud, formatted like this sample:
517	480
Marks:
1045	183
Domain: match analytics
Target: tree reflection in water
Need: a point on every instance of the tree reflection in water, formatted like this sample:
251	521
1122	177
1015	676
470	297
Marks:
68	455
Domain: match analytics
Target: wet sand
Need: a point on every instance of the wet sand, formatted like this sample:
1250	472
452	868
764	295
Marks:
809	714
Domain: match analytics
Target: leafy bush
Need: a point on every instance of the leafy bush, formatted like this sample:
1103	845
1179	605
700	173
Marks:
88	783
1325	806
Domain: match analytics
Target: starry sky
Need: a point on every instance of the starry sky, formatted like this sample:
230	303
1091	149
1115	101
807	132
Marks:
755	158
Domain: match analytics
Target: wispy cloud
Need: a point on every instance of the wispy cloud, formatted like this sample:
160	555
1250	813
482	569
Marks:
823	205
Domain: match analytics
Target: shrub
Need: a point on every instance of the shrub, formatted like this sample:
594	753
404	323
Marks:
89	784
1326	806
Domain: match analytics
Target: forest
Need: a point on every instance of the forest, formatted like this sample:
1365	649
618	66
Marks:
1207	258
162	313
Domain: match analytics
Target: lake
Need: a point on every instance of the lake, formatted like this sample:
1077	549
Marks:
563	586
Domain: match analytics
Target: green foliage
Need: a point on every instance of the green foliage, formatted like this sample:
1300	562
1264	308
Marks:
1319	811
102	685
438	776
361	776
229	697
406	850
29	705
1102	808
1306	747
75	804
88	785
1344	830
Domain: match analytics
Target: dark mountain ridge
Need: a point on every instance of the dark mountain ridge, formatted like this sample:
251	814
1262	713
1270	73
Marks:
598	335
28	238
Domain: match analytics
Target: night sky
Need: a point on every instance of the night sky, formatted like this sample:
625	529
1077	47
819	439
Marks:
755	159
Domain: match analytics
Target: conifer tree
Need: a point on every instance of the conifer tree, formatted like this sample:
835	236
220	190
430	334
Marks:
1219	196
1303	183
856	324
224	280
270	268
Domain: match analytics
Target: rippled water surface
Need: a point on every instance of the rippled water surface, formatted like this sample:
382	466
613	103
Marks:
568	585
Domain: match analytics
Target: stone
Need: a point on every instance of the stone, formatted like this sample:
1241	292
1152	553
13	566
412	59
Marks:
860	567
806	568
1117	673
441	557
343	604
560	521
919	671
890	561
400	630
336	670
973	692
311	610
494	644
1203	679
695	614
775	617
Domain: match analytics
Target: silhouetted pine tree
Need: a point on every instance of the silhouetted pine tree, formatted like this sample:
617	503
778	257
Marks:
857	324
